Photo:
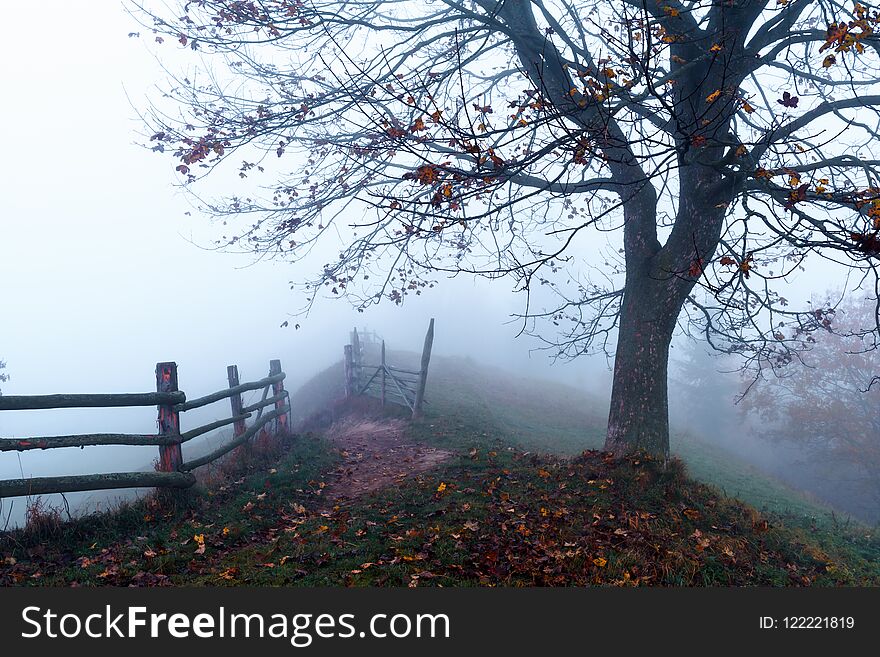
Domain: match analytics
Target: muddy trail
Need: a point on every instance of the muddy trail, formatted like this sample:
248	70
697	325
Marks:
376	454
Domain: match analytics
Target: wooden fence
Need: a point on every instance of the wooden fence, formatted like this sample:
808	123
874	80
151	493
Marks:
385	381
172	472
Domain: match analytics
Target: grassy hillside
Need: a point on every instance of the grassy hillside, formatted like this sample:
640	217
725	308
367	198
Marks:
554	418
514	500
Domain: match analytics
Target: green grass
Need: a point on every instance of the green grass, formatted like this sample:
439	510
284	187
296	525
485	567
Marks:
153	541
520	503
573	422
553	418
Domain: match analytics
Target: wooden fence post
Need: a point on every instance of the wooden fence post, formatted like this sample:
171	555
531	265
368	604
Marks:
357	356
170	456
423	373
282	424
383	373
235	400
347	364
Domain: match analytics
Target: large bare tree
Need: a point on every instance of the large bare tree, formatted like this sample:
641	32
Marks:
715	147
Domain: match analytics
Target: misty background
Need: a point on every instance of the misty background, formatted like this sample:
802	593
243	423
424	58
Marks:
106	269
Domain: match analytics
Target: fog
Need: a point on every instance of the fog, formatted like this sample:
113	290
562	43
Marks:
106	269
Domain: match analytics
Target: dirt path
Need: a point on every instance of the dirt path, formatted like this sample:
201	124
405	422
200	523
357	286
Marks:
376	454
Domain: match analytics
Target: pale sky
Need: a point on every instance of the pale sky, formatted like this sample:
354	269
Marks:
99	273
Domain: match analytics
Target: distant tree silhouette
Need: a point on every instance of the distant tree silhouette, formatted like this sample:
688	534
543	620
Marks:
830	404
705	386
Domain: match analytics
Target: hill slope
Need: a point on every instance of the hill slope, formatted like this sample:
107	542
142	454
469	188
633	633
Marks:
558	419
483	491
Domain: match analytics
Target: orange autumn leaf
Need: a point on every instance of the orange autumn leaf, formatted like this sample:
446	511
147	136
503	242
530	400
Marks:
836	33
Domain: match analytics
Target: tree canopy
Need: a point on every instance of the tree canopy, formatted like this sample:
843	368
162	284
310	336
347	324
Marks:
623	161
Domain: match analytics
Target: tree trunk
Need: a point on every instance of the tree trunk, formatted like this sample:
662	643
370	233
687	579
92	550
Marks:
639	415
658	281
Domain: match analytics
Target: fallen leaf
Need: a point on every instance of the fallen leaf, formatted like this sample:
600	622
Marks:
229	573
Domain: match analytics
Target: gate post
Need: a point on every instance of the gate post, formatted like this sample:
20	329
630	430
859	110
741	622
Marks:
383	373
349	374
423	373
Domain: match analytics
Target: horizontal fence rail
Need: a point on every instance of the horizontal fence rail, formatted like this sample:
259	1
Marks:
83	440
198	431
76	483
43	402
224	394
228	447
173	472
265	402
